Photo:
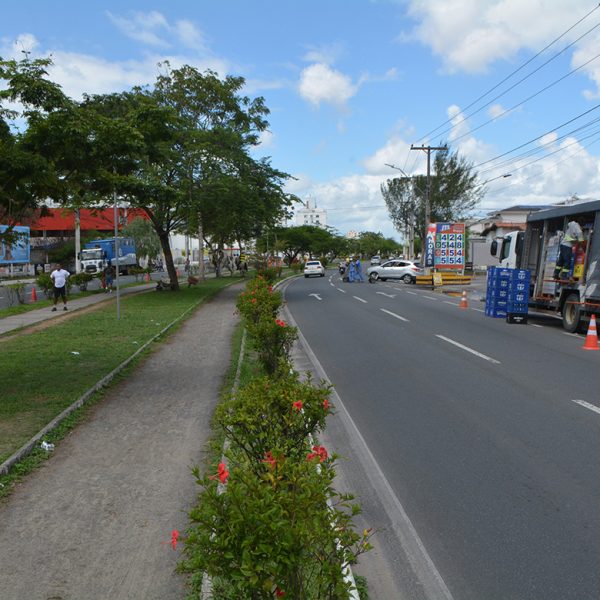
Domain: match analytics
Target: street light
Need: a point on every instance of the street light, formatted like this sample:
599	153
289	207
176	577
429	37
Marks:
504	175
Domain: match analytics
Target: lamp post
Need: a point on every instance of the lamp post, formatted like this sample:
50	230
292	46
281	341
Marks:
116	217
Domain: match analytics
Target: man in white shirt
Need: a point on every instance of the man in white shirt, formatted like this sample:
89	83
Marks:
60	277
573	234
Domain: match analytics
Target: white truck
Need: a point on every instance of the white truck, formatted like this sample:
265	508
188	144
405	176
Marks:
575	297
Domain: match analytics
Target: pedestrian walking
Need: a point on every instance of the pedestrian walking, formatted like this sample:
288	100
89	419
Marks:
352	271
59	277
108	277
359	275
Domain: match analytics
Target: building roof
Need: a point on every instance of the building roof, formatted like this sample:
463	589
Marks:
63	219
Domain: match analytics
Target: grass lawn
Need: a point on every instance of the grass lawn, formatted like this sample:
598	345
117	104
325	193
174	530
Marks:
43	372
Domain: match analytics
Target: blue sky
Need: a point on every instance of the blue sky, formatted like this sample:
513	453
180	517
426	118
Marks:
352	83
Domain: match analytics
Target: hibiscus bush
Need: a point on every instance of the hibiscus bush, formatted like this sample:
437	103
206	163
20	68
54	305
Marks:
269	523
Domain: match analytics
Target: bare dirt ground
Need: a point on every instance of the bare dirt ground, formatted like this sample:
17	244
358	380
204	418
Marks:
95	522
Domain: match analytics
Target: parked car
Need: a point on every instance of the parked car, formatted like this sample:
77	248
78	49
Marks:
406	270
375	260
314	267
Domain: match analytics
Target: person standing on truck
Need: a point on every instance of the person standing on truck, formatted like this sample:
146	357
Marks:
60	276
573	234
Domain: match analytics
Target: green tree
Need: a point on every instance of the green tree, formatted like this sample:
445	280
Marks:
26	176
144	235
454	192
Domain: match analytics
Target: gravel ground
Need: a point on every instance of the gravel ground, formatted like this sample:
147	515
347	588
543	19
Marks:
95	521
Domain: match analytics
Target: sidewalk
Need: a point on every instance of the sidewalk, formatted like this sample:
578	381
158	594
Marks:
96	520
43	314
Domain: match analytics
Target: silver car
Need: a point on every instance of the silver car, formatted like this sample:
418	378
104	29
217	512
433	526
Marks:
406	270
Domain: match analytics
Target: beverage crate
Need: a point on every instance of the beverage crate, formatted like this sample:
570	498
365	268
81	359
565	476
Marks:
523	275
518	297
496	303
517	285
497	313
517	307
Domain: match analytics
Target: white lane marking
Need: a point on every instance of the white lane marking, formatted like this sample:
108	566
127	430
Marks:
452	303
462	347
587	405
331	283
359	299
430	298
316	296
341	290
413	293
535	325
386	295
576	335
393	315
478	309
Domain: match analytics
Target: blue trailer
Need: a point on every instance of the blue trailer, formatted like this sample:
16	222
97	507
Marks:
98	254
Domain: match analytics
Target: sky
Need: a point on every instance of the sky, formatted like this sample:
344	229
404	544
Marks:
512	85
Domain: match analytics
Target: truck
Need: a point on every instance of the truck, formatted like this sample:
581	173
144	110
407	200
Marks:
574	297
98	254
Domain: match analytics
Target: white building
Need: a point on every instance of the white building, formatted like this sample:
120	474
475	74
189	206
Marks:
309	214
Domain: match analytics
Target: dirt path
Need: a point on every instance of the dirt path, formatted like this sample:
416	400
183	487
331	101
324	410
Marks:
95	522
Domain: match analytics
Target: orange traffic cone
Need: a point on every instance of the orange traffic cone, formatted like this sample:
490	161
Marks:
463	301
33	295
591	339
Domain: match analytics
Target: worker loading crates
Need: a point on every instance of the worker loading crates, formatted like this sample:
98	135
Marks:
507	295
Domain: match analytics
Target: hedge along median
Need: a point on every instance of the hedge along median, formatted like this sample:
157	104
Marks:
44	373
269	522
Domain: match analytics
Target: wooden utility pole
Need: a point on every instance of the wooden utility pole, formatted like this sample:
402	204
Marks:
427	149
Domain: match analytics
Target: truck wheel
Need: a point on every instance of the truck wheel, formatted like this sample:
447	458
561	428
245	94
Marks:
571	314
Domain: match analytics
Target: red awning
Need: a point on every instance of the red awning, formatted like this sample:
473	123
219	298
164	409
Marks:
63	219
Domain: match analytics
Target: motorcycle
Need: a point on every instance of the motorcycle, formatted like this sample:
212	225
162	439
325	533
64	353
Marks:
342	269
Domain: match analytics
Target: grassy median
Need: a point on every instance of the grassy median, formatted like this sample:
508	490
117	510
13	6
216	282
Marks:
43	372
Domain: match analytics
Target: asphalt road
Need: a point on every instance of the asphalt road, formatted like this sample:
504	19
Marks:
483	435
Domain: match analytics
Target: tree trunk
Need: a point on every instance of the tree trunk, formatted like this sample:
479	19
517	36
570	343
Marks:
201	252
170	265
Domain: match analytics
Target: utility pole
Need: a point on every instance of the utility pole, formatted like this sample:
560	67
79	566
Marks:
427	149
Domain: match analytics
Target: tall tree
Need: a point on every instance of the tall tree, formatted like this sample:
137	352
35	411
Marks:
26	176
454	191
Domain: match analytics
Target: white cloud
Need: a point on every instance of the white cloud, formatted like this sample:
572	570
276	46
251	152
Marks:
319	83
143	27
460	126
469	35
393	152
266	140
190	36
326	54
496	111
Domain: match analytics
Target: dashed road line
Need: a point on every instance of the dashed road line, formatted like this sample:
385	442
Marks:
477	309
394	315
585	404
451	303
413	293
467	349
341	290
359	299
430	298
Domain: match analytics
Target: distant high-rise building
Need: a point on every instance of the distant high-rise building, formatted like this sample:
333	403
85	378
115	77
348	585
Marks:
352	234
309	214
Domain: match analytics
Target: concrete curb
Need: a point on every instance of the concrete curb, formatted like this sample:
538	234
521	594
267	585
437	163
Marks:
29	446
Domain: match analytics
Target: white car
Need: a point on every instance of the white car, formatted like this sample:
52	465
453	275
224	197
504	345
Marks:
314	267
406	270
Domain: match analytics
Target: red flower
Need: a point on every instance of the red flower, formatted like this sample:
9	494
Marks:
270	459
279	593
174	538
326	404
297	405
280	322
222	472
253	300
319	452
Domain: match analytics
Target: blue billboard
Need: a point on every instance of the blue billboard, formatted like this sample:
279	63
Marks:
16	252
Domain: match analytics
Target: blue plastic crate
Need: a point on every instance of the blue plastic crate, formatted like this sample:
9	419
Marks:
518	297
499	273
517	307
520	275
517	285
500	283
496	303
496	313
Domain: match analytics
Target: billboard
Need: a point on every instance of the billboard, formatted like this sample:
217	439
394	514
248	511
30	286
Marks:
449	246
17	252
430	245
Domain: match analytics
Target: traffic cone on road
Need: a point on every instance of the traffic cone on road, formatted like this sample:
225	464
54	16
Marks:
591	339
463	301
33	295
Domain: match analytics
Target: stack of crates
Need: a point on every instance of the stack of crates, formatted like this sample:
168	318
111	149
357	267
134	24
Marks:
507	294
518	296
496	298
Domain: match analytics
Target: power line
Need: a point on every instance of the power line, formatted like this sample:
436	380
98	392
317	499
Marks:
516	71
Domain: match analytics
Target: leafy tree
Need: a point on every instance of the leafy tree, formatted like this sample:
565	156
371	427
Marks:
454	192
144	235
25	174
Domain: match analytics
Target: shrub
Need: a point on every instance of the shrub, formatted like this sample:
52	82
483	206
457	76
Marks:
269	273
258	299
81	280
273	340
45	283
269	414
